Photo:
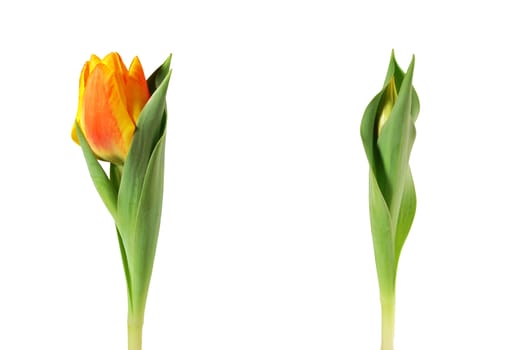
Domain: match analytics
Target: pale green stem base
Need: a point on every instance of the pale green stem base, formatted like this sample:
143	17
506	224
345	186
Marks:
135	332
388	322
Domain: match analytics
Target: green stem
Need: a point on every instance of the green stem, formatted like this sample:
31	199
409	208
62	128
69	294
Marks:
388	321
135	332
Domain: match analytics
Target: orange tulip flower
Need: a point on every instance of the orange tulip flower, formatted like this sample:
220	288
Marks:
118	122
110	101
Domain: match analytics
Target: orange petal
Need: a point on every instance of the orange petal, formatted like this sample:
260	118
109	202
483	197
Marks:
105	120
137	89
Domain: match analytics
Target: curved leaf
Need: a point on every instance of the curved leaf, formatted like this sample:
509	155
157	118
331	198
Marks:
102	183
150	128
395	143
406	214
368	132
382	234
126	267
159	75
147	223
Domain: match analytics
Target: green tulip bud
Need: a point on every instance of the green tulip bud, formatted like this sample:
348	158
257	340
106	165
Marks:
388	133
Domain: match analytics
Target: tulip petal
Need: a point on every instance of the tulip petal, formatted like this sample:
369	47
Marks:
106	122
74	136
137	89
83	78
115	62
91	64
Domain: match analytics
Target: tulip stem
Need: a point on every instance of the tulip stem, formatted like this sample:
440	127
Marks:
135	332
388	320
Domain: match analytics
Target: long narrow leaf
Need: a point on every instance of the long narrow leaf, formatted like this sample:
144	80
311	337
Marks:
126	268
147	221
149	130
382	234
102	183
406	214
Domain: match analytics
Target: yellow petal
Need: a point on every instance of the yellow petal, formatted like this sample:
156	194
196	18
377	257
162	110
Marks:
91	64
74	136
81	88
115	62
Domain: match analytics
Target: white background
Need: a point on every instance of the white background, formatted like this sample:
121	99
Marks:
265	240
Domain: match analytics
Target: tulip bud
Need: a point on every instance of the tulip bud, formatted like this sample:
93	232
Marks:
388	133
110	101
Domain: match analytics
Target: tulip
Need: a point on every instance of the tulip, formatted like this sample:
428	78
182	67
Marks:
122	119
110	101
388	133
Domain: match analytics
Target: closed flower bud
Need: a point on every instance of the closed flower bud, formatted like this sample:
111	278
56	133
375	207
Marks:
388	132
111	98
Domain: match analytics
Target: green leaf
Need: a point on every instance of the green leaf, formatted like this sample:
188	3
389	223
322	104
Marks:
406	214
141	191
395	144
159	75
392	192
150	128
147	223
126	267
382	234
394	71
102	183
368	132
115	176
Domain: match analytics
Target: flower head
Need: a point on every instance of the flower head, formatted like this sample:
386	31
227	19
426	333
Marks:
111	98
